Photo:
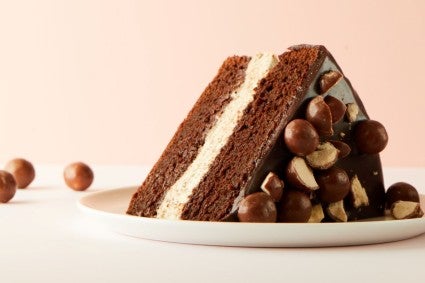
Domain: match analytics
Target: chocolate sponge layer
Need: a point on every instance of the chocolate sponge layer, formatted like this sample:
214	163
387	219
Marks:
189	137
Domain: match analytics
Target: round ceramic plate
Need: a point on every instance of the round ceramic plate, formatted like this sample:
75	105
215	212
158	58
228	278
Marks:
108	207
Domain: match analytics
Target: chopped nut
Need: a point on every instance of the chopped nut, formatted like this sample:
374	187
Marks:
337	212
317	214
358	193
352	112
344	149
406	209
273	186
324	157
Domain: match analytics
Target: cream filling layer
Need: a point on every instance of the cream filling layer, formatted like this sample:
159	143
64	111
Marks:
217	137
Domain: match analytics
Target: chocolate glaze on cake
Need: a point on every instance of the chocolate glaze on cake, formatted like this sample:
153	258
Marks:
256	146
366	167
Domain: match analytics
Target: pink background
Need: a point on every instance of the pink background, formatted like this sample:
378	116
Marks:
109	81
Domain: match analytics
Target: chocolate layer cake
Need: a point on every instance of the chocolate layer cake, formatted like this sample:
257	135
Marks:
287	125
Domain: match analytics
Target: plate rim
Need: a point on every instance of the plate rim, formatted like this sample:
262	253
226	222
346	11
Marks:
99	214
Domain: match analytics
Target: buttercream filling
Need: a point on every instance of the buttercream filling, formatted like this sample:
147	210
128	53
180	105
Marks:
217	137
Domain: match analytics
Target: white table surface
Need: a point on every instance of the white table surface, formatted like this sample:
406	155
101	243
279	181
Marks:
45	238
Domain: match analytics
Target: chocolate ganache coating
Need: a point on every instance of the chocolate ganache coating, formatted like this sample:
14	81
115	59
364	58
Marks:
277	154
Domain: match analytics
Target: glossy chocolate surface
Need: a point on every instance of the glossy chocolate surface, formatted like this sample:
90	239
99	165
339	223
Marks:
257	207
301	137
334	185
78	176
366	166
319	114
294	207
401	191
7	186
336	107
370	136
22	170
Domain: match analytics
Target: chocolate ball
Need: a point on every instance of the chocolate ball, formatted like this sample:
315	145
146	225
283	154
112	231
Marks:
300	176
370	137
294	206
319	115
337	108
300	137
7	186
22	170
78	176
328	80
257	207
401	191
334	185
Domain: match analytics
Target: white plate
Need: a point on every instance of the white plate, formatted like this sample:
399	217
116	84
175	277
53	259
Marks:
108	207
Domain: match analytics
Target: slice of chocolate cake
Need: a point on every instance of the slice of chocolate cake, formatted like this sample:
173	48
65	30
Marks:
289	129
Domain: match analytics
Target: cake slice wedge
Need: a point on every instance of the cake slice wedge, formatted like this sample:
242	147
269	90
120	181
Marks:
237	134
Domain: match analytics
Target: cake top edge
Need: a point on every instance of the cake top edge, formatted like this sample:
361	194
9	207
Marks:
296	47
